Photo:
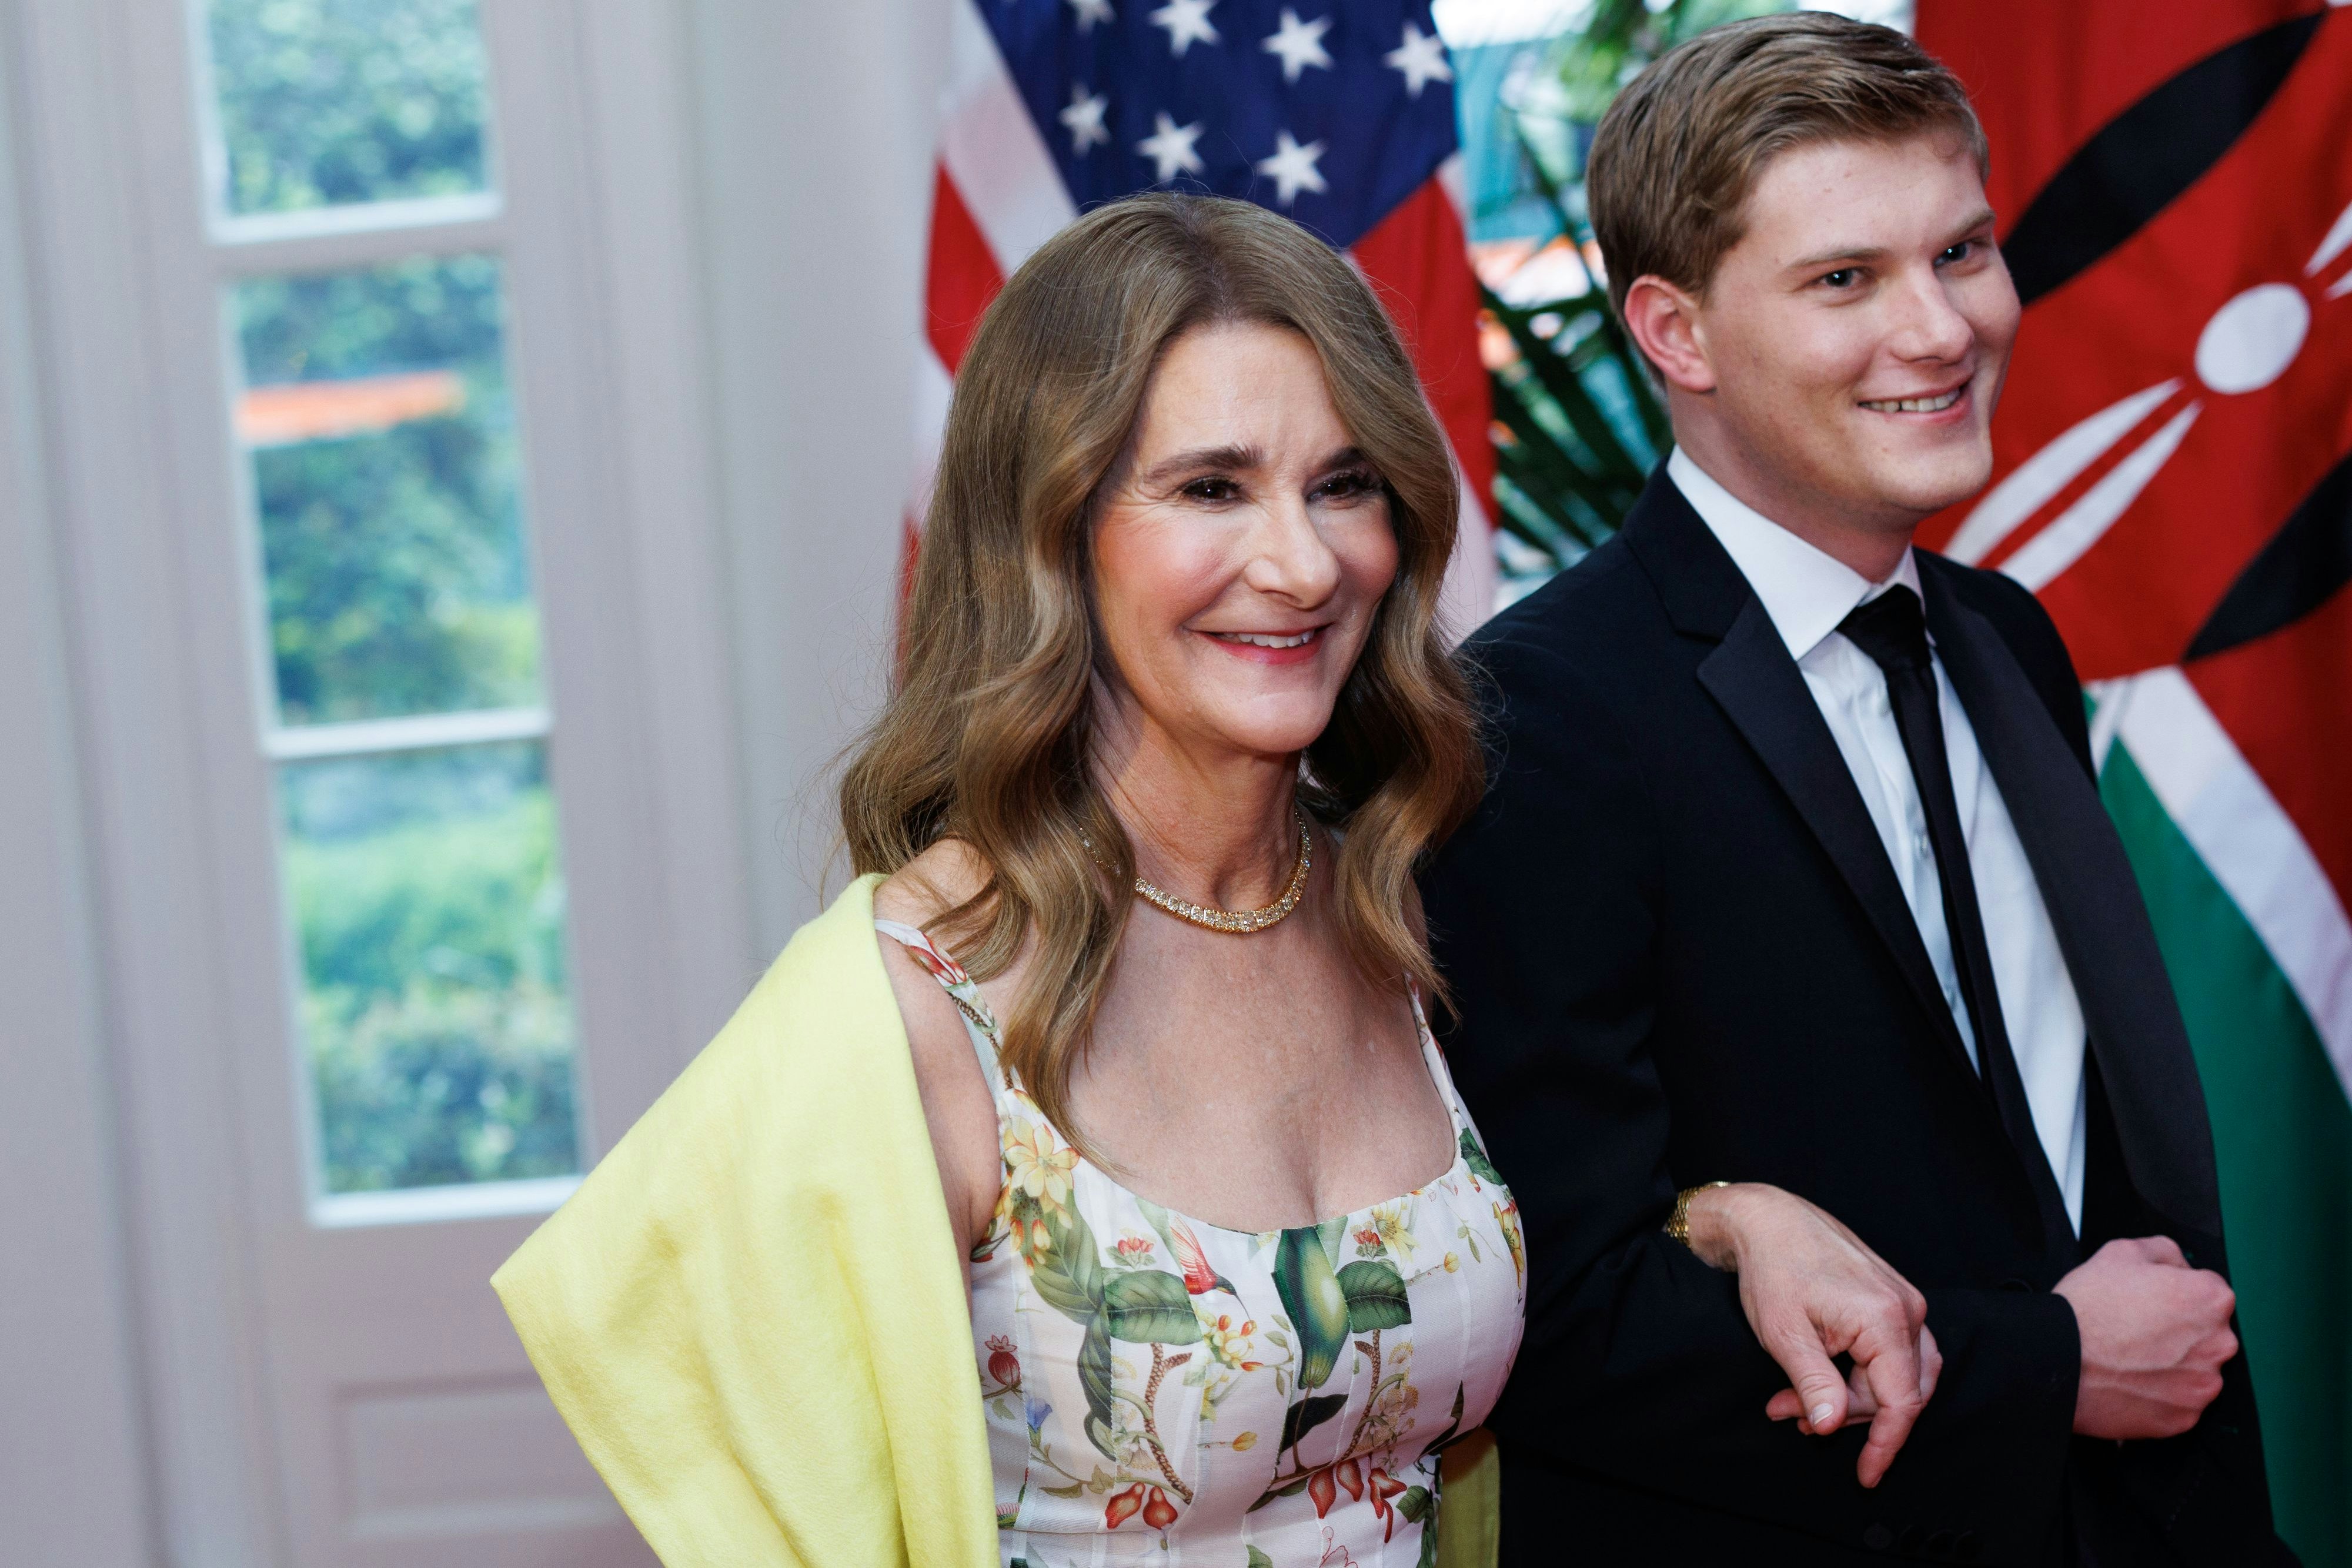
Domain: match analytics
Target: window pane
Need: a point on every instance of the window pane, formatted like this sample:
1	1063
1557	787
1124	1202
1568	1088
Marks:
386	469
428	907
328	102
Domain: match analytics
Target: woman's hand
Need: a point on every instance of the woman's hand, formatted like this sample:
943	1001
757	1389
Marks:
1812	1292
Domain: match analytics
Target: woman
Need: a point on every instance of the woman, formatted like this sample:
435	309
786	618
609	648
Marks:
1137	834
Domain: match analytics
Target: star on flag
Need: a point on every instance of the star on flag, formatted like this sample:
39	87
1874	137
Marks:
1084	119
1292	168
1300	44
1422	59
1187	22
1169	146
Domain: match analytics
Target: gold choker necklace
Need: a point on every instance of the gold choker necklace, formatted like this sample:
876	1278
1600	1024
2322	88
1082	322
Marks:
1239	922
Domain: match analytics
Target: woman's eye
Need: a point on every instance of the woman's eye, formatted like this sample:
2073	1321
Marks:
1343	485
1212	490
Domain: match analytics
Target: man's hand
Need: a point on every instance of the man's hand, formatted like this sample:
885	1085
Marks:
2155	1334
1813	1291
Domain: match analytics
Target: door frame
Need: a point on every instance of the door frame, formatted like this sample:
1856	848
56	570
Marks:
226	1273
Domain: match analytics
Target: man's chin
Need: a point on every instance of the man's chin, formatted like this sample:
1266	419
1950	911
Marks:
1928	485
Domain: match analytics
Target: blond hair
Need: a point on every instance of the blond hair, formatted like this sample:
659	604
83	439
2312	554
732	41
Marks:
1678	153
987	737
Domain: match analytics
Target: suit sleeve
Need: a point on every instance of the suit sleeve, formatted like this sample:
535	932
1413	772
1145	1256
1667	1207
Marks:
1638	1363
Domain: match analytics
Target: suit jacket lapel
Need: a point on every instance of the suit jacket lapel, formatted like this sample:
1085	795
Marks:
1751	676
1758	685
2088	885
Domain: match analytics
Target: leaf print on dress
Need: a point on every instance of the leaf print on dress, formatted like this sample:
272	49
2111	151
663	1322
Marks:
1481	1167
1133	1305
1308	1284
1145	1306
1375	1294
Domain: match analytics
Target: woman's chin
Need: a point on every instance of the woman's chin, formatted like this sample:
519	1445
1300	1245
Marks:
1262	736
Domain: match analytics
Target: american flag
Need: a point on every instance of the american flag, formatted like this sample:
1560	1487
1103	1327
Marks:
1340	116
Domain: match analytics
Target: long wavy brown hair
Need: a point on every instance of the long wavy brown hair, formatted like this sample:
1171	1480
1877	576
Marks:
989	735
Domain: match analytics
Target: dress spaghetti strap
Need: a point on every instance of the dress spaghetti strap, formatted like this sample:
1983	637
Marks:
979	1022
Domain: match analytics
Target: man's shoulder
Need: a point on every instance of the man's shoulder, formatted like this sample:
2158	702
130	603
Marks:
1583	617
2011	608
2026	630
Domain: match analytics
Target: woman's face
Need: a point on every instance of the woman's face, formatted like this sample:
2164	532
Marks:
1241	547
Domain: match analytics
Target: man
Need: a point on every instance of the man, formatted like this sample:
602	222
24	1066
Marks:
1793	872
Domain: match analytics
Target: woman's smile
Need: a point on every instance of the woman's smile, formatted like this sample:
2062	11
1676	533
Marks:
1269	647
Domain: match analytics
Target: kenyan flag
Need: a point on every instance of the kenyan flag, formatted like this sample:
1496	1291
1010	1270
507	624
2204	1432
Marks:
2174	479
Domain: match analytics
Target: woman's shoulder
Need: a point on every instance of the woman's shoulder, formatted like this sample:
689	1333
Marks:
957	1101
944	876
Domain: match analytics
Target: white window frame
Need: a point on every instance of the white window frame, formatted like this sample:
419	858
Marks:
342	240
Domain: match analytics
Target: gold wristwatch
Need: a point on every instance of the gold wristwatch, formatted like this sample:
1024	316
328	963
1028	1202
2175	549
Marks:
1678	1222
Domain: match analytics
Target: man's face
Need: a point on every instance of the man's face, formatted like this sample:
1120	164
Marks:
1857	335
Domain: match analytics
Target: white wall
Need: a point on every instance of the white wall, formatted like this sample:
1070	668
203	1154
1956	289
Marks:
73	1480
816	124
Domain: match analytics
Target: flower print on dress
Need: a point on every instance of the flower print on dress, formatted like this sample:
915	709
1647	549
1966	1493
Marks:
1231	1398
1394	1222
946	970
1004	1365
1035	1167
1506	1220
1228	1342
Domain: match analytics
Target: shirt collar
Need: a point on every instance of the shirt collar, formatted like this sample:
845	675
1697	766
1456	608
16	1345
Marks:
1805	590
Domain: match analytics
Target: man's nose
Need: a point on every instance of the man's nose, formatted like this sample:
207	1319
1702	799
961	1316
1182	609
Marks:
1932	325
1291	558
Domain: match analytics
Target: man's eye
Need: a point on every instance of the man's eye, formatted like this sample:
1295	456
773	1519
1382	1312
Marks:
1960	251
1212	490
1843	278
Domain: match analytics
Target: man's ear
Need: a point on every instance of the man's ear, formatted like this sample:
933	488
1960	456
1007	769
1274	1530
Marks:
1663	320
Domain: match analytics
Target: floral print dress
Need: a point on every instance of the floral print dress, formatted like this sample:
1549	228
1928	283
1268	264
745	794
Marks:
1161	1390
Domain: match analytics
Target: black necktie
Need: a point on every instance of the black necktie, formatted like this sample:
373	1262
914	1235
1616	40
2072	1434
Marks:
1893	630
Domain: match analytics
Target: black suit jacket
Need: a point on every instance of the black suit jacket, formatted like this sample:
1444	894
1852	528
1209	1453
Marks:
1679	955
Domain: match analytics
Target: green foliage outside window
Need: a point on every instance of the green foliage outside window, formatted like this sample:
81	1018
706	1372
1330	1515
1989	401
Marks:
398	575
394	582
428	901
324	102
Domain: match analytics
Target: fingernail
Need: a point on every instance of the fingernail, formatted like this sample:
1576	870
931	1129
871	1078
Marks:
1820	1415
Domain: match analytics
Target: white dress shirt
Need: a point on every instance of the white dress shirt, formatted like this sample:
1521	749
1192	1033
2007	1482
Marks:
1807	593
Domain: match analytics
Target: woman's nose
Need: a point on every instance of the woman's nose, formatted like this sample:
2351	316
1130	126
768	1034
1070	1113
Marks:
1290	556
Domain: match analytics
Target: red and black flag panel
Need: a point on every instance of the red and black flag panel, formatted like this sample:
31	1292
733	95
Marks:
2174	449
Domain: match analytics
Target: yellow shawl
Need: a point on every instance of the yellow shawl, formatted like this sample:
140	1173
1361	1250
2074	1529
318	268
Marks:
752	1312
